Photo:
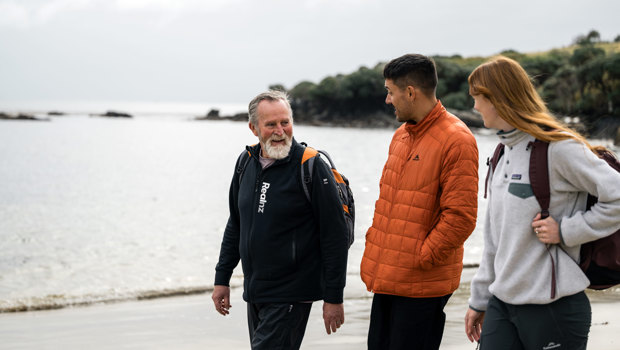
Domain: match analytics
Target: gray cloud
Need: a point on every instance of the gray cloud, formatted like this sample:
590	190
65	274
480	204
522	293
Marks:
227	51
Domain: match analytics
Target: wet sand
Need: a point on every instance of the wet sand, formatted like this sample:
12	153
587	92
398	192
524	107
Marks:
191	323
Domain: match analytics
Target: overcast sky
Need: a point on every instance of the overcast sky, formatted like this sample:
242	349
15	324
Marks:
229	50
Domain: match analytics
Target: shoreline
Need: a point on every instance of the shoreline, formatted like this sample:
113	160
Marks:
607	295
137	296
605	128
190	323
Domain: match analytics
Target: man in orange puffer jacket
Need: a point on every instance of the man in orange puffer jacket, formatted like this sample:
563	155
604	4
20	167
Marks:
426	210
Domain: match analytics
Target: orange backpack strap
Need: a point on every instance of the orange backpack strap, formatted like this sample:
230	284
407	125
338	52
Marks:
307	164
309	152
342	184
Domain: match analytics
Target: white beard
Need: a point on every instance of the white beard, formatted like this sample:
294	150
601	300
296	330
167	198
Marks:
278	152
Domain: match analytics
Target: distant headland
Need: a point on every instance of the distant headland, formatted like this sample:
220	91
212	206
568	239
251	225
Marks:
580	84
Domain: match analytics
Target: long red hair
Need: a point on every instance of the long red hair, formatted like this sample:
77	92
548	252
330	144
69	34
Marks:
509	88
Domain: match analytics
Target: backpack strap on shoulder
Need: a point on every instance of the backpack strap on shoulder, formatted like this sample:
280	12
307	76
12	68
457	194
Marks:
341	180
307	164
539	175
492	164
244	159
539	179
337	175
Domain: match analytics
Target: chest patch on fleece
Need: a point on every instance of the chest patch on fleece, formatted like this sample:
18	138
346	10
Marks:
520	190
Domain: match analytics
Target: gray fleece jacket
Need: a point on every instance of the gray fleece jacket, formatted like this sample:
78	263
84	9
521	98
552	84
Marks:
515	266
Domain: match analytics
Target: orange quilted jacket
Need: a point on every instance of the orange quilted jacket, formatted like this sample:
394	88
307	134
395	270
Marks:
426	209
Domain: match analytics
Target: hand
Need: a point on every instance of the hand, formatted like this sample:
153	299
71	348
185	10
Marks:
547	230
473	324
333	316
221	299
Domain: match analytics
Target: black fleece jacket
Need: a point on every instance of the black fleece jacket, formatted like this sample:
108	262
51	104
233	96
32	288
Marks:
290	249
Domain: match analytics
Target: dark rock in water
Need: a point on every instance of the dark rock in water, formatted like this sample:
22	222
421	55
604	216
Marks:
378	119
56	113
21	116
117	114
214	114
370	120
113	114
240	117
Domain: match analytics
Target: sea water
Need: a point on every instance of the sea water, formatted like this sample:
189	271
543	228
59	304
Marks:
96	209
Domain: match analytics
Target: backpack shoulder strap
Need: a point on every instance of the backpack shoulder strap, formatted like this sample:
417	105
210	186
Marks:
307	164
244	159
539	180
337	175
492	164
613	162
539	175
610	158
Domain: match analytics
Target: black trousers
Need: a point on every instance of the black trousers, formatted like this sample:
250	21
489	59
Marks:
563	324
277	325
406	323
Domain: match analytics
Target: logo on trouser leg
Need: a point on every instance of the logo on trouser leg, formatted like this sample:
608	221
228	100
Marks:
551	345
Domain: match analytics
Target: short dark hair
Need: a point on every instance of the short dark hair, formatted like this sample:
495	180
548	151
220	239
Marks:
415	70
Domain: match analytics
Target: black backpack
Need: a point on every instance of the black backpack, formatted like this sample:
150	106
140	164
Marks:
307	165
599	259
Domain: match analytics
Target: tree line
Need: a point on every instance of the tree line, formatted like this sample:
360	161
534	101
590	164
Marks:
582	80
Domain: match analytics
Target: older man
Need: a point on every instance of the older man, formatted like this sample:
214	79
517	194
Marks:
293	251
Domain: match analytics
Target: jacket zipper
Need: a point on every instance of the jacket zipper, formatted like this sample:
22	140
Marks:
248	244
293	247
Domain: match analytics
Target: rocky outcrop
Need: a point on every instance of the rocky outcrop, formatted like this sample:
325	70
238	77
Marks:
21	116
113	114
214	114
372	120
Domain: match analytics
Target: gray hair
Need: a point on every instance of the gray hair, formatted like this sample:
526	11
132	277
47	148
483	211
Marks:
271	95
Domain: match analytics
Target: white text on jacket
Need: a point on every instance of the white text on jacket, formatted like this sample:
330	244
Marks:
263	197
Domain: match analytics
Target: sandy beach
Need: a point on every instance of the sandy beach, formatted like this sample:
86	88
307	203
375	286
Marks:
191	323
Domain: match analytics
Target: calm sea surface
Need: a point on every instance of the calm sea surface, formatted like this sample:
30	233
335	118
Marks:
95	209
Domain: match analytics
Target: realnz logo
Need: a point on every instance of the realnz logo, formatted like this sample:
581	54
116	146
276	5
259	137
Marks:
263	197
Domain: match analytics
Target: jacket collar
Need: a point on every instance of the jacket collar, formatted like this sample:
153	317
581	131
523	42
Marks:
426	122
512	137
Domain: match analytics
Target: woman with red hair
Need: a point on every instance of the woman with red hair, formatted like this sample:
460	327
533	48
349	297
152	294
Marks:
529	290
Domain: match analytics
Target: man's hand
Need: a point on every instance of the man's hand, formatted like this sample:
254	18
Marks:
473	324
221	299
333	315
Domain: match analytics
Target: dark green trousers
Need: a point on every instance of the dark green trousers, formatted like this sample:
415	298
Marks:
561	325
